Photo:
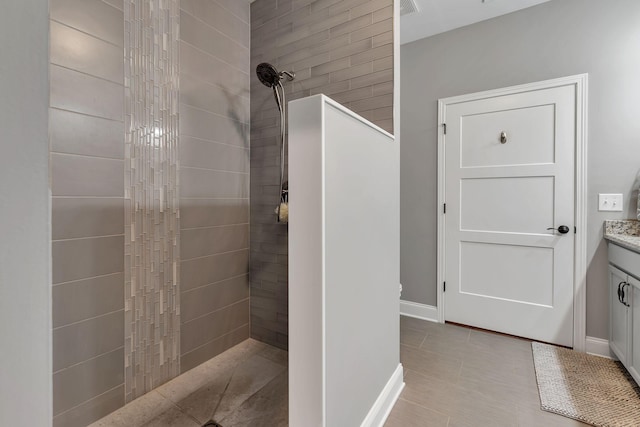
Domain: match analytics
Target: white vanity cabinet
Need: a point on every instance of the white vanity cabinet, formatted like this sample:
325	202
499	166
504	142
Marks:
624	307
619	314
633	364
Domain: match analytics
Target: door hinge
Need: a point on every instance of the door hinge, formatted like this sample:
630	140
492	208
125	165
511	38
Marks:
575	230
444	208
444	126
444	286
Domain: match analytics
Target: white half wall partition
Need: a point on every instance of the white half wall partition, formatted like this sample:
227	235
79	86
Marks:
344	268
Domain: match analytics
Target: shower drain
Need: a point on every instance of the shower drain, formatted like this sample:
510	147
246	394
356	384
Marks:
211	424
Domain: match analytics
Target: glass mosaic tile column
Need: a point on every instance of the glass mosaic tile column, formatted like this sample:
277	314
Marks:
152	306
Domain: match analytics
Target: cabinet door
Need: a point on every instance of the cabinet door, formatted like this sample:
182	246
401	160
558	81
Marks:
634	343
618	316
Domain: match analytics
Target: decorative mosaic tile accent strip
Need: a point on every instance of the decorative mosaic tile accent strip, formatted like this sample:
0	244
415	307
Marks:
152	306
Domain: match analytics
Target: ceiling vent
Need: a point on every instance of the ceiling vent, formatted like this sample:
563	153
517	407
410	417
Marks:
407	7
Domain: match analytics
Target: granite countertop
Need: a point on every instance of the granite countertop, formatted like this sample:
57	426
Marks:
625	233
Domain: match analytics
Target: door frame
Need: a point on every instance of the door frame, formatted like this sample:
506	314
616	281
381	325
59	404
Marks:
580	81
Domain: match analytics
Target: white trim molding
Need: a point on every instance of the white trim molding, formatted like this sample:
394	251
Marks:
580	81
384	403
580	255
598	347
419	311
440	260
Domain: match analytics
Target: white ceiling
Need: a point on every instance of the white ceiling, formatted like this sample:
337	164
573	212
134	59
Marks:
438	16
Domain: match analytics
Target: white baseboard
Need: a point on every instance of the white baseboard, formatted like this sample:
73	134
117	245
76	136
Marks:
595	346
598	347
420	311
385	401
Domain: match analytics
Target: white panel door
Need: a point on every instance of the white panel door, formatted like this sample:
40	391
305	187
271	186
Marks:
509	187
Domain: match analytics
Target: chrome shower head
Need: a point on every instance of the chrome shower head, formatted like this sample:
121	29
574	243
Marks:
267	74
270	76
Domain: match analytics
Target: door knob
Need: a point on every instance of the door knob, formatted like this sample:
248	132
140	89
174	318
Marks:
563	229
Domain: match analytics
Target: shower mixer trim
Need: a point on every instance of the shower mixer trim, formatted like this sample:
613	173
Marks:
290	75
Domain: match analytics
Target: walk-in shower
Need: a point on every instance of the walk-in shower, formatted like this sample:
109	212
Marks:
271	77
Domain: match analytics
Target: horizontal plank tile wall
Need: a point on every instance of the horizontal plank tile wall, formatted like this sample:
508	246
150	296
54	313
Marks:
87	181
342	48
214	177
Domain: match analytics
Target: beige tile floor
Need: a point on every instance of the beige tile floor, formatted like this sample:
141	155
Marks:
455	377
461	377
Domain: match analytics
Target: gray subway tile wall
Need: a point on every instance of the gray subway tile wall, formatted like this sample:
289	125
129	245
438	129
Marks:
87	170
214	177
209	126
87	162
85	414
91	298
81	341
335	47
75	217
73	133
83	258
214	297
202	34
227	238
213	325
230	22
197	153
342	48
95	17
107	56
207	270
94	377
75	91
217	346
80	176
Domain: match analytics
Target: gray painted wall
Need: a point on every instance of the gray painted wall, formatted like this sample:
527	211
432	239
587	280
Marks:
25	251
555	39
343	49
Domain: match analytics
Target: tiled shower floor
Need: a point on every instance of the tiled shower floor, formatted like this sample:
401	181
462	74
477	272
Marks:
455	377
245	386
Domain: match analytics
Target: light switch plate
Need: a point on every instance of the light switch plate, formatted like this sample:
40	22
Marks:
610	202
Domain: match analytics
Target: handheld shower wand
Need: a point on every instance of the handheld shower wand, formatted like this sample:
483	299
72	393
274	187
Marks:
271	77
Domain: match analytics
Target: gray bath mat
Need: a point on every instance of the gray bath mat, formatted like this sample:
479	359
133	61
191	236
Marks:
587	388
